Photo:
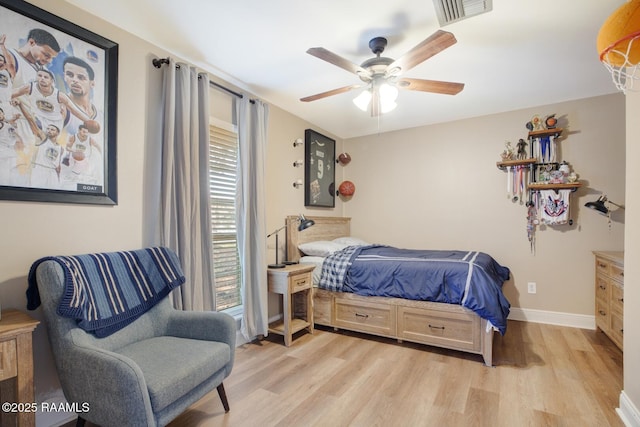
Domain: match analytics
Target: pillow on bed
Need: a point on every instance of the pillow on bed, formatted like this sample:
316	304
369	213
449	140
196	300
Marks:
351	241
320	248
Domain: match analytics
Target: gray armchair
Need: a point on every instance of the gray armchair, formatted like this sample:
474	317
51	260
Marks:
145	374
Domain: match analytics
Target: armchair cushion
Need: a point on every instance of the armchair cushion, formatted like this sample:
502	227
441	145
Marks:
174	366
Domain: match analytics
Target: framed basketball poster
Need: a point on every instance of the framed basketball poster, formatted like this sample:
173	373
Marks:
58	99
319	170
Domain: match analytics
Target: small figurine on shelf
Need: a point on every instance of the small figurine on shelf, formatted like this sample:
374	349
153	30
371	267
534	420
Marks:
508	153
536	122
565	169
551	121
522	149
557	177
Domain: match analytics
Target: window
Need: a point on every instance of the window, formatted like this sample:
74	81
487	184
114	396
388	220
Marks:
223	160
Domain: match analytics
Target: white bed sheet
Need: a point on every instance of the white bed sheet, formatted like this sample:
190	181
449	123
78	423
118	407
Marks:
317	262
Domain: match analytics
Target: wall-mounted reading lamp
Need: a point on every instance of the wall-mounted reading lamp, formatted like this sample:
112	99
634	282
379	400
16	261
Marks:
304	224
600	205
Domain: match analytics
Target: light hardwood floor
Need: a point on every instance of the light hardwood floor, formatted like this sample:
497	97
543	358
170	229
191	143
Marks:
544	376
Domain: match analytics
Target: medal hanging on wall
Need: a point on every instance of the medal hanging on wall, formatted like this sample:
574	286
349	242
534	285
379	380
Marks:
532	221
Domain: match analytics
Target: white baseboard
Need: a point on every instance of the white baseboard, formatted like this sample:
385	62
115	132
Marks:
628	412
581	321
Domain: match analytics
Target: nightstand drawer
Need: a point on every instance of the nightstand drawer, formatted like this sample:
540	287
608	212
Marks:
8	360
300	282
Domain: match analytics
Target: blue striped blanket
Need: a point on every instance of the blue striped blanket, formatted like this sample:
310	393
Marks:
106	291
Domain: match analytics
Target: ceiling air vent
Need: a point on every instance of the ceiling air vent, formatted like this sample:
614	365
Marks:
450	11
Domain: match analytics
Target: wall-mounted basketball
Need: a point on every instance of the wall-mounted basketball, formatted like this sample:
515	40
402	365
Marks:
346	189
344	159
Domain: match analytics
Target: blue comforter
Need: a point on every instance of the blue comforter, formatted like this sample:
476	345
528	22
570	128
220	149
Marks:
471	279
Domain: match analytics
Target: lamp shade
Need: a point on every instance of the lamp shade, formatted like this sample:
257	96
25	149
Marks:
599	205
304	223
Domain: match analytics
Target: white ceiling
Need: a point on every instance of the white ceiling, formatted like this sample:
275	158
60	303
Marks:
523	53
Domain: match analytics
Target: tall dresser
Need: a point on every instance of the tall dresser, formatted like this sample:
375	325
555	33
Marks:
610	294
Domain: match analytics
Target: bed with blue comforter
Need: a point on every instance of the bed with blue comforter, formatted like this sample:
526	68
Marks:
468	278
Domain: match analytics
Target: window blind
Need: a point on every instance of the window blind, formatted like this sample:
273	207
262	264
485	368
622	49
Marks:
223	161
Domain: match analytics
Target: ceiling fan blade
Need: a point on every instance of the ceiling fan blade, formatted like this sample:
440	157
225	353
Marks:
435	86
437	42
329	93
337	60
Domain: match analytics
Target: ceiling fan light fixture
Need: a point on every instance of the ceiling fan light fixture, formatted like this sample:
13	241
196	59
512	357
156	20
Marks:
388	93
388	96
362	100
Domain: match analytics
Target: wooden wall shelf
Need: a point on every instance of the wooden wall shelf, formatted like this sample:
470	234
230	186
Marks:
520	162
545	132
548	186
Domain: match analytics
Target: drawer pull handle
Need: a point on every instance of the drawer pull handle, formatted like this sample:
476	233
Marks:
603	313
601	265
436	327
604	288
621	299
362	315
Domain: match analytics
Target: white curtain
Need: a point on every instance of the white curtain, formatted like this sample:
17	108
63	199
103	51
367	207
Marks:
252	117
184	207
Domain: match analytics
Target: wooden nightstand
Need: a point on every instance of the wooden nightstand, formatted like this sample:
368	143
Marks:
16	366
293	281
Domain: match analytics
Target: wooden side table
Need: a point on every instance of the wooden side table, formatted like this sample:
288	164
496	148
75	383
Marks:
291	281
16	366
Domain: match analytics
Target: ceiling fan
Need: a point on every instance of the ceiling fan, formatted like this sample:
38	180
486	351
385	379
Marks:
382	75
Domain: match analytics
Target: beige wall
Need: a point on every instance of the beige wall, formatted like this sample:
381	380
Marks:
438	187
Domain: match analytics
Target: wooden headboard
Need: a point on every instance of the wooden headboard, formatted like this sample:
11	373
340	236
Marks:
325	228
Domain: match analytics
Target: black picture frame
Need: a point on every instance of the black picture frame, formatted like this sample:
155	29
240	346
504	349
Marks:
319	170
88	174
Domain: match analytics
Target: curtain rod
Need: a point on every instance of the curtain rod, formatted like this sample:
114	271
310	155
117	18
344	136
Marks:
157	62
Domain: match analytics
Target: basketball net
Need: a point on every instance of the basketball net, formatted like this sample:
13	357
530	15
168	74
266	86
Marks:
626	75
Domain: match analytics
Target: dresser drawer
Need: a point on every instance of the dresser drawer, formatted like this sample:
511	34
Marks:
450	330
617	273
378	319
617	299
617	329
602	315
602	287
603	266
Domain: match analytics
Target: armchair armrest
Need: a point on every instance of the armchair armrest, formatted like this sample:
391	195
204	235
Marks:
87	382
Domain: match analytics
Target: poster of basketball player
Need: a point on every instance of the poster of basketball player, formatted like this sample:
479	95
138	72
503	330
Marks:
319	169
58	89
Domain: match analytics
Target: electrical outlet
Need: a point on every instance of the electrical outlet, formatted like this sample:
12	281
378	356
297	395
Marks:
531	286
